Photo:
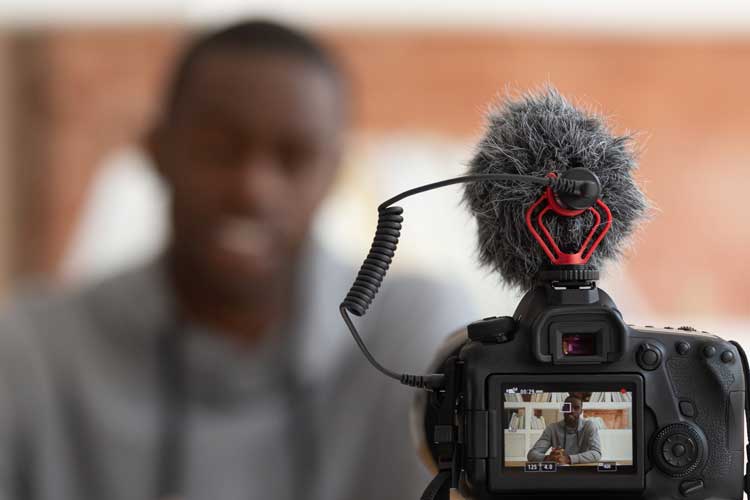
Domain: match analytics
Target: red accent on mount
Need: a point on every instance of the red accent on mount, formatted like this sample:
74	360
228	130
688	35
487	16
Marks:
556	256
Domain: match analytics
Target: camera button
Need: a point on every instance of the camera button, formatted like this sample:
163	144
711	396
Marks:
687	408
648	357
709	351
690	486
682	347
727	356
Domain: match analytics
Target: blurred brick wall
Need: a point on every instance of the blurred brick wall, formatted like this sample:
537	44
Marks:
83	92
80	95
6	182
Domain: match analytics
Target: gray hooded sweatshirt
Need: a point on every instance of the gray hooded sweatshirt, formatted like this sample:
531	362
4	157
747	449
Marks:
582	445
302	416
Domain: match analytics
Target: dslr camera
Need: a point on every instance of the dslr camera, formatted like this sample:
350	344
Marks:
564	398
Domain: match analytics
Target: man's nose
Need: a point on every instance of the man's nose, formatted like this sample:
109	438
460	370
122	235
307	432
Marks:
259	184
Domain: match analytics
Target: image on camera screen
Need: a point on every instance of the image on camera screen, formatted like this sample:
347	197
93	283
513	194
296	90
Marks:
548	428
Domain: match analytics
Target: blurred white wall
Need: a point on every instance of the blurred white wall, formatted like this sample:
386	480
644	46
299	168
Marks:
124	219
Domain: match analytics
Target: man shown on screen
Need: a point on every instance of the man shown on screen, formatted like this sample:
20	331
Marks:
573	440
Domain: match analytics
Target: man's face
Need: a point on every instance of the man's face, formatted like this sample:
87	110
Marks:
249	153
576	407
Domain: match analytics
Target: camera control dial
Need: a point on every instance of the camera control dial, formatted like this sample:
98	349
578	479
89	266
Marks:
679	449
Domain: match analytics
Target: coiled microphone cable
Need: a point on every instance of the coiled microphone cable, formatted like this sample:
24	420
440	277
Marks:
383	248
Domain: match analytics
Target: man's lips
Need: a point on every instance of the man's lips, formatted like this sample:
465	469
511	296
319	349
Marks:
245	237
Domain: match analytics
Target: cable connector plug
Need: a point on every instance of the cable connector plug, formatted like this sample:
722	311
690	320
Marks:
432	382
577	188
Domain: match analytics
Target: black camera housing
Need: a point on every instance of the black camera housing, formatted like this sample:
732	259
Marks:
686	385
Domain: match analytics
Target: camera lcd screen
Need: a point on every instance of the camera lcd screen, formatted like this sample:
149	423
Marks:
555	428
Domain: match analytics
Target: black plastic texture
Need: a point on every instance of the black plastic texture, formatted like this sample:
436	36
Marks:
735	420
687	408
477	445
493	329
568	273
707	383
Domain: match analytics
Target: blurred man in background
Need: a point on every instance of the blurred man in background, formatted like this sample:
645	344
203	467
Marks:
222	370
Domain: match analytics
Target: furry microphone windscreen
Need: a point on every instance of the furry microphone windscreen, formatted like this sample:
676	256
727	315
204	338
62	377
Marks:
537	134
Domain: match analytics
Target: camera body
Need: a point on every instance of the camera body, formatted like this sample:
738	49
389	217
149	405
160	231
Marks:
662	408
564	398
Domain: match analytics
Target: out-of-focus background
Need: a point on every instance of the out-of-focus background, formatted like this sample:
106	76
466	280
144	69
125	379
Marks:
79	81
